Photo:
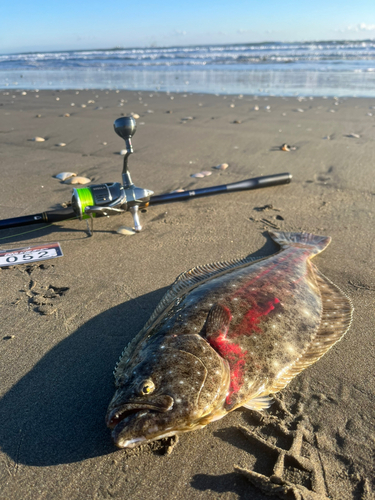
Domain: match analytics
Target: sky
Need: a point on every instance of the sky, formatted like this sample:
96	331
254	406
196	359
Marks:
41	25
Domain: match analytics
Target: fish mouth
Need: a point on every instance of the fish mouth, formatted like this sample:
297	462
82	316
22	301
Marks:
124	413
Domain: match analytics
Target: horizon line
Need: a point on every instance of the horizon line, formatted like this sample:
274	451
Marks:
156	46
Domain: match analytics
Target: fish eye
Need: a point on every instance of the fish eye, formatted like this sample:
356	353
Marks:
146	387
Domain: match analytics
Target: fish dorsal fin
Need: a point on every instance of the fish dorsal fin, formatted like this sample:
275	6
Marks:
259	404
183	283
335	322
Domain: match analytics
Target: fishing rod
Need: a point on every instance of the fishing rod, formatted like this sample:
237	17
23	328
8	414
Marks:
113	198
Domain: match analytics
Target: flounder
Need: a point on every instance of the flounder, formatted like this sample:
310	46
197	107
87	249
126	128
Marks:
226	335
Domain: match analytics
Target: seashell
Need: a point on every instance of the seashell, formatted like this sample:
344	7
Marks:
222	166
149	111
78	180
61	144
83	105
38	116
57	98
127	231
67	115
178	191
256	108
65	175
198	175
206	173
135	116
354	136
237	121
91	102
38	139
187	118
285	147
23	93
300	110
104	143
123	152
72	104
231	105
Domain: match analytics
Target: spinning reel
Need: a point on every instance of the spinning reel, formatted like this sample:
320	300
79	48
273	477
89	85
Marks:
113	198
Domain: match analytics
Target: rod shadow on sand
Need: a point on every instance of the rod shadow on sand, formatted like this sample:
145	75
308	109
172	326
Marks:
55	413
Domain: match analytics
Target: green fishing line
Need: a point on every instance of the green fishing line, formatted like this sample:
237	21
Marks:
85	200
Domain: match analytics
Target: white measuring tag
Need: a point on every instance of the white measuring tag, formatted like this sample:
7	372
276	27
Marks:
30	254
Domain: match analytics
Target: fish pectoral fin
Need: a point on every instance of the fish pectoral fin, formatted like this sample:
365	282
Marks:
259	404
218	321
335	322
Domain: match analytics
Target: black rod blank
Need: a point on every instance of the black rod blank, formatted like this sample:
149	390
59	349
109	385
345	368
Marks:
255	183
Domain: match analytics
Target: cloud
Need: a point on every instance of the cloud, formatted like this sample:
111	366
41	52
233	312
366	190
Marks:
179	33
360	27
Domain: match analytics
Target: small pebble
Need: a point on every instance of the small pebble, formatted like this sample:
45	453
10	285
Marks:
57	98
231	105
300	110
78	180
38	116
23	93
72	104
237	121
256	108
38	139
83	105
61	144
65	175
67	115
90	102
222	166
149	111
104	143
128	231
187	118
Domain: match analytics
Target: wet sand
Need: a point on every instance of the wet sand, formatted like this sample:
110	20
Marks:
56	370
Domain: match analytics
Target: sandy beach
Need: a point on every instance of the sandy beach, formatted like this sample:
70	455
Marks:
56	369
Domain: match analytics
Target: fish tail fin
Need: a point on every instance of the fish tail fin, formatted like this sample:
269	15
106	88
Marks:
302	240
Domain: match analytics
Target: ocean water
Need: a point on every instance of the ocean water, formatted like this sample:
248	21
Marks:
341	68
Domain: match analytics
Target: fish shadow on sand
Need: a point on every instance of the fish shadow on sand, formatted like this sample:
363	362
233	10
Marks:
55	413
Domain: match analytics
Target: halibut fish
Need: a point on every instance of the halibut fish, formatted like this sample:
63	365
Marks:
226	335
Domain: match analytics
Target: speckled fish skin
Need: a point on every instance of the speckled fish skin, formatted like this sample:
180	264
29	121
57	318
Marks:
226	335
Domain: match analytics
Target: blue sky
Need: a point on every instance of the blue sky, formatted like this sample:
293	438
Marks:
42	25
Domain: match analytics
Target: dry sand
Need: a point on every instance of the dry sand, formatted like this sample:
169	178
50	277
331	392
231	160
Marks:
56	369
